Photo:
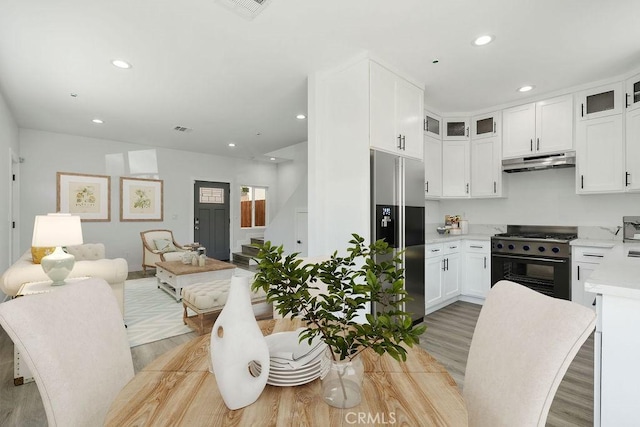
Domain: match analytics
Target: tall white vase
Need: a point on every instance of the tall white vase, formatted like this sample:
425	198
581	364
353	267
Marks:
236	340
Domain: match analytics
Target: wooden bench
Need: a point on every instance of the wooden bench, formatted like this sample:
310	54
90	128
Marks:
207	300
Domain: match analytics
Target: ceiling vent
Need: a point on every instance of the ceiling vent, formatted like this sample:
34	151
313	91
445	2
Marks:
248	9
182	129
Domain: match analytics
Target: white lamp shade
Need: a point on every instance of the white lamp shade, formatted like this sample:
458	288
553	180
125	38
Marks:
57	230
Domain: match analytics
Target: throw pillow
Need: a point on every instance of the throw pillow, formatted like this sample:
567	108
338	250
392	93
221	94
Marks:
37	253
165	245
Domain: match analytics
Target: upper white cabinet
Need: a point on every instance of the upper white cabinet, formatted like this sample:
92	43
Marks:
600	101
455	169
432	125
539	128
396	107
600	156
456	129
485	126
632	173
486	167
432	166
632	95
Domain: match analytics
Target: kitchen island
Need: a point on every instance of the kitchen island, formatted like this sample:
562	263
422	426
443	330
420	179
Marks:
616	283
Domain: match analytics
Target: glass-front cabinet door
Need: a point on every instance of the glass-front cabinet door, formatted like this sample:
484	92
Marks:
432	125
456	129
485	125
632	96
601	101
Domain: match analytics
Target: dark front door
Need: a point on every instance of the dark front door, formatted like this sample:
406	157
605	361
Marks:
211	218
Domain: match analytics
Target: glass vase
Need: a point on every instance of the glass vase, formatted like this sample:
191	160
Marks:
341	381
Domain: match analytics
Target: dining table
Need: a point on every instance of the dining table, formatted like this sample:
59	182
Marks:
178	389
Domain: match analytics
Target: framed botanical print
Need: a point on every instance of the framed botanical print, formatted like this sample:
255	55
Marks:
141	199
88	196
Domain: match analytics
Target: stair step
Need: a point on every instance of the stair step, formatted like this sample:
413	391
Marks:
240	258
250	250
257	240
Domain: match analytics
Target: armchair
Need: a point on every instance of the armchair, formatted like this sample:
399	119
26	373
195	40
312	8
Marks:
159	246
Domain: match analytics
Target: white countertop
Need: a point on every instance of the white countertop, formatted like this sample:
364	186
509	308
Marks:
594	243
441	238
618	274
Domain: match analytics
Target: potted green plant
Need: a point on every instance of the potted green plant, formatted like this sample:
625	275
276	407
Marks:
352	282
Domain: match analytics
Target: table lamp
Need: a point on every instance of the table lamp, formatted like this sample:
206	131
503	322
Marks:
57	230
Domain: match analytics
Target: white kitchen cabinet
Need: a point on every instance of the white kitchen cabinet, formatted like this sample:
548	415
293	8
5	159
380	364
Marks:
432	125
632	95
601	101
584	260
396	107
432	166
485	125
442	273
486	167
632	173
476	278
544	127
600	155
456	129
455	169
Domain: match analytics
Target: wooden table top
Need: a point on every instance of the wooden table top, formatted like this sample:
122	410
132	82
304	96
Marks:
178	267
177	389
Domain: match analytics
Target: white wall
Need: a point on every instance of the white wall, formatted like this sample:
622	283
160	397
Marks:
292	173
46	153
8	145
545	197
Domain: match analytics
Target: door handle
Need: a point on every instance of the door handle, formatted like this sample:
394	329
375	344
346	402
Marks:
627	175
467	188
427	186
581	181
299	242
531	145
495	190
581	110
404	142
578	272
626	102
400	141
485	263
467	131
537	144
443	265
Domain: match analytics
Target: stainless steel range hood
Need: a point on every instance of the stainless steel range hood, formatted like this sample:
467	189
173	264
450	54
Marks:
534	163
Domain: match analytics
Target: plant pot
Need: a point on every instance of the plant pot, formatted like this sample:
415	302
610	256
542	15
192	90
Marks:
341	381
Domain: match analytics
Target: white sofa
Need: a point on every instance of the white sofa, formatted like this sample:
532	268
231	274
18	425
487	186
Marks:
90	261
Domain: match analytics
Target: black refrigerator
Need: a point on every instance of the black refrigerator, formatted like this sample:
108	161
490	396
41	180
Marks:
397	215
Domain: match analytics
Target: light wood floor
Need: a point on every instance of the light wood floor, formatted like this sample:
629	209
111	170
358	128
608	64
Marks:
447	338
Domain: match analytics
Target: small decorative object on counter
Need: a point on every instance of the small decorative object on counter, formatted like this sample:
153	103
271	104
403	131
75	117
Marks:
202	260
194	260
464	226
186	257
237	341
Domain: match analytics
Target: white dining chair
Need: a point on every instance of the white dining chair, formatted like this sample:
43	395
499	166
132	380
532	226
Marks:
521	348
74	342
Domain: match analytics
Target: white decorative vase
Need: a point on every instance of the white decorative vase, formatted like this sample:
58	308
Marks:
236	341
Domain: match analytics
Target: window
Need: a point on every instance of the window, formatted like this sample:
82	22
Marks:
253	206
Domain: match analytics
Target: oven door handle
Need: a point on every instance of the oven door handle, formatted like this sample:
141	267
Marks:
528	258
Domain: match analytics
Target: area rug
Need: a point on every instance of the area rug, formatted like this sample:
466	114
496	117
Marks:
150	313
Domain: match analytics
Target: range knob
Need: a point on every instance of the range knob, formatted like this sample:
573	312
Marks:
512	247
499	245
555	250
541	249
526	247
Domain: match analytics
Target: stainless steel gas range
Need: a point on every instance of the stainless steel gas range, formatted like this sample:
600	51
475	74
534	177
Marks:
538	257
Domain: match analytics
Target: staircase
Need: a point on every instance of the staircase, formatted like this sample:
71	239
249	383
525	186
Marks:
245	258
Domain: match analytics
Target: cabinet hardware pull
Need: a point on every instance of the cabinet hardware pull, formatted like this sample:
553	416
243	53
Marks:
443	265
485	263
581	181
627	175
447	264
435	250
427	183
626	102
425	125
495	190
531	145
581	110
467	131
494	127
475	246
578	272
594	255
537	144
404	142
400	141
467	188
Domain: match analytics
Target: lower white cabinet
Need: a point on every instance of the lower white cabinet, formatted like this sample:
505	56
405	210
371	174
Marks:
442	273
476	280
585	259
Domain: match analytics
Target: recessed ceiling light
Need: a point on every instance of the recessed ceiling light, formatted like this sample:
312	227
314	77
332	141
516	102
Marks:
525	88
98	121
483	40
301	117
73	95
121	64
272	158
231	144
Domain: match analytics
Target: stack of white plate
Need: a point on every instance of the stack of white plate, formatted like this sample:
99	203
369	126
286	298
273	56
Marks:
291	362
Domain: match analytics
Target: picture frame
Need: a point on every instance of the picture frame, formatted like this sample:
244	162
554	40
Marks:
141	199
85	195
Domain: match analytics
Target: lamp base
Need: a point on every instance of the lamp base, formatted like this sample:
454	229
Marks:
58	265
